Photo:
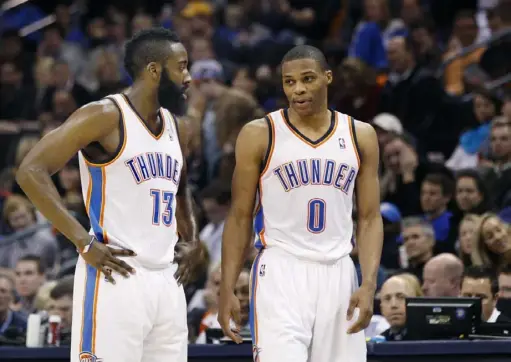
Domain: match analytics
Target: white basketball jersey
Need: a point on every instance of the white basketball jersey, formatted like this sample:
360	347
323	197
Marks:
131	200
306	190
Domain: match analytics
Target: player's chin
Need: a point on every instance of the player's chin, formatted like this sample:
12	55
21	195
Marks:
303	109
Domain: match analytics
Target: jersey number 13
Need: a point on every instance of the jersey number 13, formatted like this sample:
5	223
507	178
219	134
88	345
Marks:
162	207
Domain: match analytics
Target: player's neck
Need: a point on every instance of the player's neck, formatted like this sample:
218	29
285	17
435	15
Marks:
316	120
145	102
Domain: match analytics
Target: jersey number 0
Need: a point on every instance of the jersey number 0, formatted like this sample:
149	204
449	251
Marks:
316	216
162	200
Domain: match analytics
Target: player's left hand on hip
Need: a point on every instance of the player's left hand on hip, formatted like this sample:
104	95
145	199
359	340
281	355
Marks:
363	300
192	260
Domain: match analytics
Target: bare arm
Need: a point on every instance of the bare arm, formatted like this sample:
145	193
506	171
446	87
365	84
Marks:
186	223
250	149
88	124
370	224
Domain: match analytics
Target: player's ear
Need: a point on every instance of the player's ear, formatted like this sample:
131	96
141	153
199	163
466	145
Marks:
329	76
154	70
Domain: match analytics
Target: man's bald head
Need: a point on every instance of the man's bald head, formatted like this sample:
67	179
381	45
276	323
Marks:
442	276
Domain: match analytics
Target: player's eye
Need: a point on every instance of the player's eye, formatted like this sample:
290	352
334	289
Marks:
308	79
289	82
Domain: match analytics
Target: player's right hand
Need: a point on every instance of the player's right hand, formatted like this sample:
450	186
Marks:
105	259
229	309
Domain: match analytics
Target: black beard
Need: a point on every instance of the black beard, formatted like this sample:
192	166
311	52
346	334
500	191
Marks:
171	96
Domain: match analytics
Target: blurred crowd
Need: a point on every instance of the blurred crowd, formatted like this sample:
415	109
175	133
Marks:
431	76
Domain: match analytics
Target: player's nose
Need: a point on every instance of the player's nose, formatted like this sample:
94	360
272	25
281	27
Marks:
299	88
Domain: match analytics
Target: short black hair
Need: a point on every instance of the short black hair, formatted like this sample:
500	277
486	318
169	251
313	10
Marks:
306	52
444	181
63	288
482	272
41	267
146	47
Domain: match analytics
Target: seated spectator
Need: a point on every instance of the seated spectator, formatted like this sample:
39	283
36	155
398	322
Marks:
492	245
28	237
216	198
426	48
419	241
465	34
473	143
471	194
13	325
498	169
204	303
242	292
467	235
393	305
30	276
436	193
373	33
442	276
62	305
481	282
355	90
504	280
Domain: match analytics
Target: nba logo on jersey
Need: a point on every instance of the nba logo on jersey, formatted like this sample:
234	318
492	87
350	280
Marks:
88	357
342	144
262	271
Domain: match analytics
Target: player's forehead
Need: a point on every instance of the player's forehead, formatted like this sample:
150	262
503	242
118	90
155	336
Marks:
178	54
300	67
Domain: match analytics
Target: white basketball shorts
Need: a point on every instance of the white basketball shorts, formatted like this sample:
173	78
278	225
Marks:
298	310
139	319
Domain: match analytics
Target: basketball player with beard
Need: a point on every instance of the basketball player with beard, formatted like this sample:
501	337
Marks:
134	184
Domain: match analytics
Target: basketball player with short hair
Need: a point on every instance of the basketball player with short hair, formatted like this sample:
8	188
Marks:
303	164
134	185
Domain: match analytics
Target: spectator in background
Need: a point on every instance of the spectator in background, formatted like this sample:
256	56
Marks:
216	200
498	172
467	234
464	35
355	90
402	177
13	325
473	143
54	45
492	243
504	280
419	242
393	305
28	237
471	193
372	35
204	303
436	193
64	80
387	127
442	276
425	46
414	96
16	99
242	292
62	305
108	75
30	276
481	282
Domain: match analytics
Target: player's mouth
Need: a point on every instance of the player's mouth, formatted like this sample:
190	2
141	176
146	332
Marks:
302	103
